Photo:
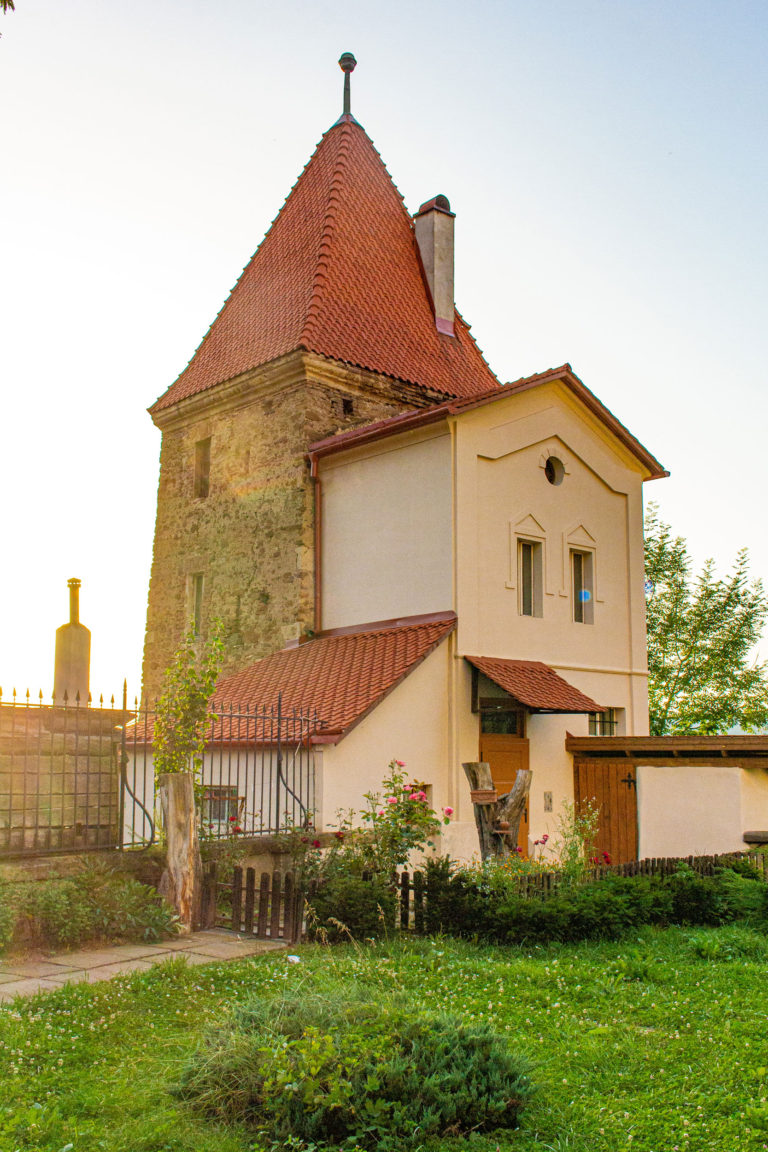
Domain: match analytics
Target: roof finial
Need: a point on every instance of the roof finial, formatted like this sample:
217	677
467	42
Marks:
347	63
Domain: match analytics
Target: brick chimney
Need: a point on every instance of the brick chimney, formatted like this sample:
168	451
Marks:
434	235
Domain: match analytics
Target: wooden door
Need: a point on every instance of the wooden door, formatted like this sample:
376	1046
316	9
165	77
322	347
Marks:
610	785
506	755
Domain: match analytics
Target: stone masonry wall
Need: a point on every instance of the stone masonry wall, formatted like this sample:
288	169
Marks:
252	536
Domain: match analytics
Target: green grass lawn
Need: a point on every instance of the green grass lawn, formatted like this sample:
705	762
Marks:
655	1044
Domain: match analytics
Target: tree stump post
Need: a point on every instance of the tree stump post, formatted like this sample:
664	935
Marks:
180	883
490	814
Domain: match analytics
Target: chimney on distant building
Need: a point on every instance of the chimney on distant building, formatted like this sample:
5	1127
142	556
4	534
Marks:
434	235
72	663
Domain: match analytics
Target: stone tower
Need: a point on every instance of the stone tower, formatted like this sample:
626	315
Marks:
331	325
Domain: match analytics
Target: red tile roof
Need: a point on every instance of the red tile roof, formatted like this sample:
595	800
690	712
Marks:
342	675
418	418
534	684
338	274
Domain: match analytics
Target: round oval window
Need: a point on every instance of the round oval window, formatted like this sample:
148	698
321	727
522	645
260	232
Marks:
554	470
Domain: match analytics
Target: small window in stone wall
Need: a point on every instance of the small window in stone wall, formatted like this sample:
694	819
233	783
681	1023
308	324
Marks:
202	485
197	582
347	406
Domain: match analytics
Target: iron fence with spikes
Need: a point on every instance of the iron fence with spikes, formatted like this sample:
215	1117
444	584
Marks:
80	777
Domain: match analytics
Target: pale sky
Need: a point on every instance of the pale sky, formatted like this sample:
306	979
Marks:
606	161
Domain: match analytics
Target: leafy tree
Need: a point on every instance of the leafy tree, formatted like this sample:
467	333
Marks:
701	631
183	708
7	5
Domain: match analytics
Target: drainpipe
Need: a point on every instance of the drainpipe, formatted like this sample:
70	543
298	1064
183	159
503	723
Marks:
318	567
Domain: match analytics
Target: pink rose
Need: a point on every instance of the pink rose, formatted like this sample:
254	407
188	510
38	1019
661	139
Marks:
400	763
391	799
448	811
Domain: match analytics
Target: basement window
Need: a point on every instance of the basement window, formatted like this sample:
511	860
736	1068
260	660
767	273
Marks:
221	805
202	484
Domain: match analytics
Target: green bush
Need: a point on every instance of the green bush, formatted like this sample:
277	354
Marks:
345	905
7	918
353	1073
734	943
461	905
96	904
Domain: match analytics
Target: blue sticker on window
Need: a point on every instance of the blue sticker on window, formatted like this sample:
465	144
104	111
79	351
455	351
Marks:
585	595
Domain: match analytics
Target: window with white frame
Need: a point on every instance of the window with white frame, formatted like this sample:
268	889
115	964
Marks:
530	578
221	804
583	586
604	723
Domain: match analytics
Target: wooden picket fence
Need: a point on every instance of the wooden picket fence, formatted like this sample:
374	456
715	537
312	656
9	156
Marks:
543	884
271	907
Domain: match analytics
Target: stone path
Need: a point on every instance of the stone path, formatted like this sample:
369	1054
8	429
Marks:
25	977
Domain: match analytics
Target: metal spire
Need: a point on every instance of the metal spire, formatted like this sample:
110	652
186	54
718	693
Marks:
347	63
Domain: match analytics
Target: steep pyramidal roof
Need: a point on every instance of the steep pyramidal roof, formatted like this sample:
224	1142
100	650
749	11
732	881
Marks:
338	274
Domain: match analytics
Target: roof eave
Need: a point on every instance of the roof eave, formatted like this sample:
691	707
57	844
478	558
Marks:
410	421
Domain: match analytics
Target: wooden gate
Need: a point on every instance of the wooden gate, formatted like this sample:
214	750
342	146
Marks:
611	786
506	755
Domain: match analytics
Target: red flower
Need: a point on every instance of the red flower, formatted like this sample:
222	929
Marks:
315	843
339	835
606	857
237	828
232	819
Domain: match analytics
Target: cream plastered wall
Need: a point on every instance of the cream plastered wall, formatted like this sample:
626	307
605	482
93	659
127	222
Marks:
411	724
386	530
754	799
502	495
690	810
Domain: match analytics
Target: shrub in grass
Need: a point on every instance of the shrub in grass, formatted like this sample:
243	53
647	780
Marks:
96	904
346	905
7	918
345	1073
732	943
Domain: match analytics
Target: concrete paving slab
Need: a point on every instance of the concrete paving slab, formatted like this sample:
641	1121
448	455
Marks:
26	977
18	969
107	971
229	950
137	951
27	988
84	959
195	958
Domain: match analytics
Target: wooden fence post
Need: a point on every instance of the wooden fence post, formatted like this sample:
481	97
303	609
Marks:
181	881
